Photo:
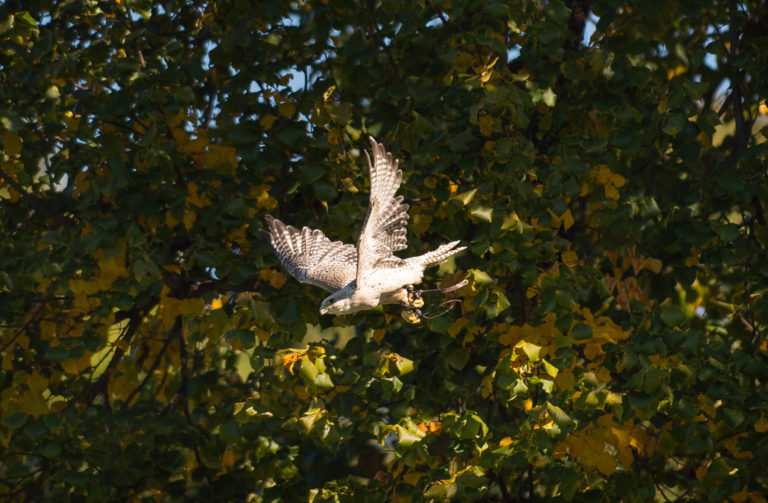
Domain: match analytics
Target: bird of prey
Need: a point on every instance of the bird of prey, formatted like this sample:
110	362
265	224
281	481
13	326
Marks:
364	276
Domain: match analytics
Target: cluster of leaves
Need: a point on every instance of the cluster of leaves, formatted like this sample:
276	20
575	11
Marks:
604	161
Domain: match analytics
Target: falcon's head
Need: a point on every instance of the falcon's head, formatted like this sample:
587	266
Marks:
337	303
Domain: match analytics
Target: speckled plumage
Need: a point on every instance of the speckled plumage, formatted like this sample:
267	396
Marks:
370	274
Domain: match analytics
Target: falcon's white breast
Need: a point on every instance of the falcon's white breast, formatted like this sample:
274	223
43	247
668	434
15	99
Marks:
370	274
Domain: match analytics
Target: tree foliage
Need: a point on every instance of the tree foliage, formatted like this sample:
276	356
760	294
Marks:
605	161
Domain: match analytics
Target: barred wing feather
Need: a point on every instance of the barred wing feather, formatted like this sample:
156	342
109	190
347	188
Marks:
310	257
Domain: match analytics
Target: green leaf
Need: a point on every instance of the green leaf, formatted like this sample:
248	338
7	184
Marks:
311	417
546	96
672	316
531	351
558	415
465	197
482	213
402	365
10	121
581	332
408	435
727	232
323	381
308	370
457	358
674	124
550	369
474	427
480	277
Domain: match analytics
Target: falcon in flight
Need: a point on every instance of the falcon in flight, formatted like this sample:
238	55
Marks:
362	277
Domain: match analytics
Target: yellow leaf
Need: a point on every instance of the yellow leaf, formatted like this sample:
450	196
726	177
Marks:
221	156
328	93
264	336
653	265
290	359
273	277
505	441
12	143
268	121
457	326
732	444
334	137
286	108
576	445
121	387
217	303
568	220
706	405
378	335
47	330
113	266
618	180
606	463
678	70
189	218
761	426
172	268
37	383
604	375
33	403
228	459
195	197
198	145
412	478
263	199
565	380
486	124
569	258
487	72
179	135
170	221
69	366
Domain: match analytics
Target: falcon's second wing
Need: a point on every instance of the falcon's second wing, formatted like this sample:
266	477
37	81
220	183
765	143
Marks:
311	257
384	228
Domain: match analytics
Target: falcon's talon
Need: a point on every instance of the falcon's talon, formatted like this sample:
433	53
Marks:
412	316
415	299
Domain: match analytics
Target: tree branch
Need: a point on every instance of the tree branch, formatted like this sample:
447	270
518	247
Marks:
741	134
378	37
176	328
103	381
35	202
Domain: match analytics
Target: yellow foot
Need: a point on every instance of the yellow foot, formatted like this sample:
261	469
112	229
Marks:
411	316
415	299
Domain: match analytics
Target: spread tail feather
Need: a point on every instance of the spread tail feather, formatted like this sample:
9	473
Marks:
437	257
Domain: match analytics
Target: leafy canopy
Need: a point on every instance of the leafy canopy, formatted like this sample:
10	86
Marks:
605	161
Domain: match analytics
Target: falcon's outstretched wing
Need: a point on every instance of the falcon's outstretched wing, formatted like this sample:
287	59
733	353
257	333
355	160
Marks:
310	257
384	228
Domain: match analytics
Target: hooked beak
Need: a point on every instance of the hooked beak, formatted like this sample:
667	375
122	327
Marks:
323	310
